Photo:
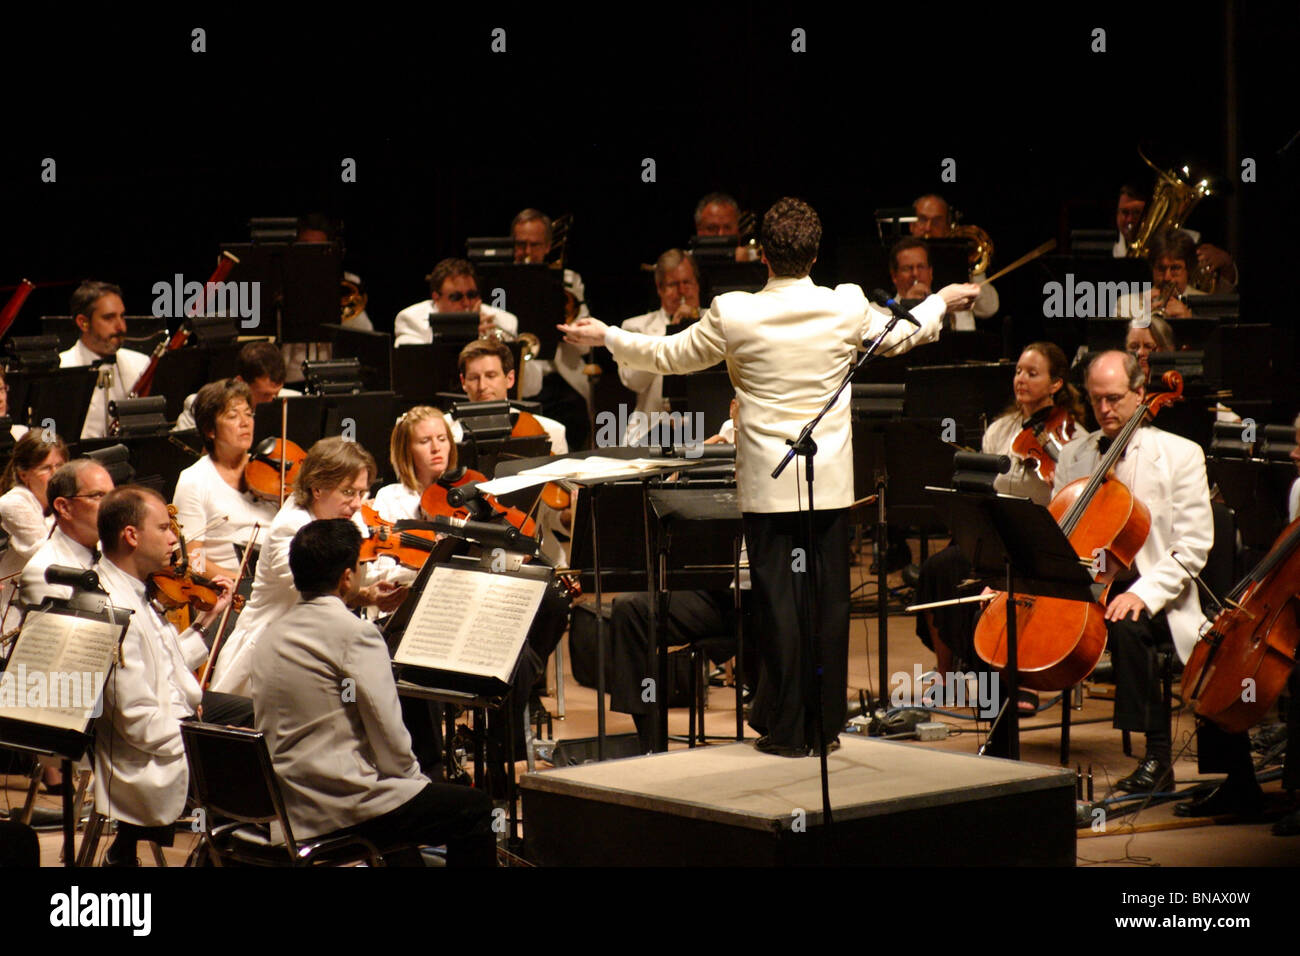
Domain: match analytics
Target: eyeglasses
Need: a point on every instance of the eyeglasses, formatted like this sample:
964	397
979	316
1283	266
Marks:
460	296
354	494
92	495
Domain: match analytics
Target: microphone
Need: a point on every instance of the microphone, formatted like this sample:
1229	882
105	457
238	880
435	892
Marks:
79	579
488	534
880	298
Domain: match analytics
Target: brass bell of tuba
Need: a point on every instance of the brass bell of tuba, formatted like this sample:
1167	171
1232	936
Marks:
1172	201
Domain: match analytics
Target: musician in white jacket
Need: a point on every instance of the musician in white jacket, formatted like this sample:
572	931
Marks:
100	315
141	778
1159	612
787	347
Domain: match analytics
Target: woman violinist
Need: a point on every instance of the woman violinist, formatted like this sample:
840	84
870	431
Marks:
332	482
23	510
422	451
1041	393
214	506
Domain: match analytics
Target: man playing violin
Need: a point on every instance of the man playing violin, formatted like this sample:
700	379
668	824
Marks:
1153	608
141	778
100	315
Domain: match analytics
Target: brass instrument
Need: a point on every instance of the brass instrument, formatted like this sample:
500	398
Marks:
1172	201
982	253
353	300
530	346
1166	292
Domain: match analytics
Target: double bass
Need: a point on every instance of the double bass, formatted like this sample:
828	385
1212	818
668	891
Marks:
1059	642
1241	663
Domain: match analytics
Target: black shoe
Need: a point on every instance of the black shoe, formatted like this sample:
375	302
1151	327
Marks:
1289	825
1244	802
765	745
111	860
1150	775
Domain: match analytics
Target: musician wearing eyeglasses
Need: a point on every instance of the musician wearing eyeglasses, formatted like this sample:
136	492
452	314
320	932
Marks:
100	315
934	221
1154	608
75	491
453	287
333	482
1173	263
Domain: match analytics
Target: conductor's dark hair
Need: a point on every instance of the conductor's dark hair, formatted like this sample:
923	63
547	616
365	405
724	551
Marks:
792	234
1176	245
261	359
88	293
123	508
321	551
902	245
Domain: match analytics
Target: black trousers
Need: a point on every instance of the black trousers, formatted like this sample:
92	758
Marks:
691	615
441	813
785	607
543	637
560	402
1140	651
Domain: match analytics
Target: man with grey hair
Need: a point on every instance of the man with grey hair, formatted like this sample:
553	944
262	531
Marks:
74	493
1154	609
678	283
718	214
100	315
1173	263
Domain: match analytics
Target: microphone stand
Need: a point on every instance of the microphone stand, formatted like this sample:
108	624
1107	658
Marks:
805	447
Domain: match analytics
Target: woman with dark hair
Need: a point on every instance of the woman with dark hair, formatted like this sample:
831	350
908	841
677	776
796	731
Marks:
24	511
214	507
1040	388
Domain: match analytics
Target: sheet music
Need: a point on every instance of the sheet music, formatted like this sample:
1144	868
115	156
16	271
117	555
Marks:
57	670
595	468
471	622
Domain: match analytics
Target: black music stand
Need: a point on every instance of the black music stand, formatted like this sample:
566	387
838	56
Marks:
1016	546
700	520
184	371
374	350
68	745
59	394
534	293
299	285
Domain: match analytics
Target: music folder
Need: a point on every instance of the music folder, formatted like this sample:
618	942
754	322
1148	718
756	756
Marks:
467	625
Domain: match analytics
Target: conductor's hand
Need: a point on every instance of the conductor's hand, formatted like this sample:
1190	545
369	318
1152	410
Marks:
1126	605
960	296
585	332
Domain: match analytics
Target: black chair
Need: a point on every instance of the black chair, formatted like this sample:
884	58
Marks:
231	776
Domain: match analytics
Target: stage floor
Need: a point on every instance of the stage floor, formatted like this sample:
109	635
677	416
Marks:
731	804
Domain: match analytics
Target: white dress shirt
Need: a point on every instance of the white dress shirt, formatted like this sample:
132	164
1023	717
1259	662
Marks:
202	496
1167	474
140	772
342	758
22	519
786	347
649	386
58	548
396	502
116	381
1020	480
411	327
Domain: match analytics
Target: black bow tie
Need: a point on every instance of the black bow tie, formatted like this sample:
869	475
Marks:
109	360
1104	443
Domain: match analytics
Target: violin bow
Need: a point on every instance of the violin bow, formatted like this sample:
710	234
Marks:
225	615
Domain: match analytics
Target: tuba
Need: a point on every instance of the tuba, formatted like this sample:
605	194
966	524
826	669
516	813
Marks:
1172	201
353	299
982	252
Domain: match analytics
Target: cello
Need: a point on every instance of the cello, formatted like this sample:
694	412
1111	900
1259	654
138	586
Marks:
1059	641
1241	663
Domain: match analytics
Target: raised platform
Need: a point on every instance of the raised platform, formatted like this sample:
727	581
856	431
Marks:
730	805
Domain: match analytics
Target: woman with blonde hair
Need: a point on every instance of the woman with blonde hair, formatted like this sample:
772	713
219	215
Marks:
422	451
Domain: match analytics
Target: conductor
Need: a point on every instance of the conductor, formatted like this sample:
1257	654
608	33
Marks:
787	347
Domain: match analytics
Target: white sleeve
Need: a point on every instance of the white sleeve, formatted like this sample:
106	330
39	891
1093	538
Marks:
26	527
411	329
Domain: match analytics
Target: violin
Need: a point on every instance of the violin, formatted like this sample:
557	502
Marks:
1252	642
180	586
272	469
434	502
1059	642
404	541
1043	437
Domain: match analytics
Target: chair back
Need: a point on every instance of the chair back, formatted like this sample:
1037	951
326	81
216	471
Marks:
232	776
